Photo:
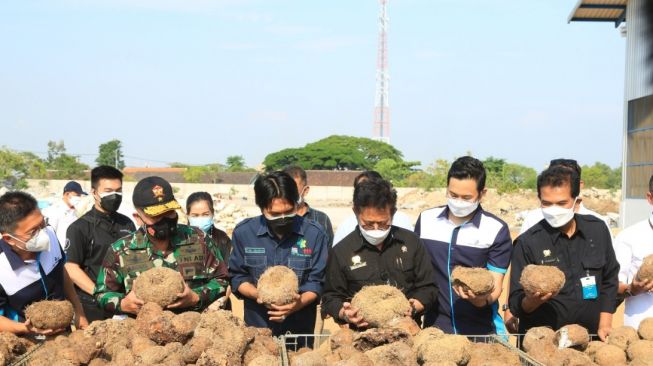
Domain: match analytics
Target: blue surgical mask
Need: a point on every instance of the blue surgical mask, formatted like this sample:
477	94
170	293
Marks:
203	222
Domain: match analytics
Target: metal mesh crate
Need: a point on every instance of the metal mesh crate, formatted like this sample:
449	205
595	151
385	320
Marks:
293	342
512	342
27	356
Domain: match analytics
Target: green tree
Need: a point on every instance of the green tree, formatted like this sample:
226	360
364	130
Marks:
13	170
335	153
110	153
67	167
201	173
55	150
602	176
395	171
62	165
236	163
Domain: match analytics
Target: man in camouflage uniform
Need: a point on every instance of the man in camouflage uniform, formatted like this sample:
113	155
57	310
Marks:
161	242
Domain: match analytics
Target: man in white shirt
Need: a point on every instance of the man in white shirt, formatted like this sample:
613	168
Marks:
631	246
61	214
399	219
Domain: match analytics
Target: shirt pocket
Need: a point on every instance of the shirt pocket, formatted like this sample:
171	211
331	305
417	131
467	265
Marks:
301	267
593	266
256	265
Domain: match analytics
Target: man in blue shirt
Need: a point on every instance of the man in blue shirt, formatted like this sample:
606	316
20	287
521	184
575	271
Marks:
31	265
463	234
278	237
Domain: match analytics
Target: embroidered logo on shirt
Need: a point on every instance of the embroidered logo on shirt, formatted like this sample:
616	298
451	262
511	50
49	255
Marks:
546	252
356	263
254	250
301	243
404	249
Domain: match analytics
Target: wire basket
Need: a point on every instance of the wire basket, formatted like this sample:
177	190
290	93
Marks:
512	342
24	359
293	342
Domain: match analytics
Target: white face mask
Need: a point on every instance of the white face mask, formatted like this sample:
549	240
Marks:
375	237
75	201
558	216
461	208
39	243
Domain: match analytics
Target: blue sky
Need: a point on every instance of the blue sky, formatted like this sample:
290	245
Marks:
198	80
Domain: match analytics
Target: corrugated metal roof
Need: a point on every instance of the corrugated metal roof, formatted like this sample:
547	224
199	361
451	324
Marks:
599	11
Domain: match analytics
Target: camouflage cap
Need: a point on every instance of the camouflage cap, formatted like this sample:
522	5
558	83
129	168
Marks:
154	195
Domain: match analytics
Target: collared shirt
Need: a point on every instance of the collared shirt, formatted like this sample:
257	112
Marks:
60	217
399	219
191	252
25	282
402	262
322	219
89	238
588	252
484	242
535	215
631	246
255	248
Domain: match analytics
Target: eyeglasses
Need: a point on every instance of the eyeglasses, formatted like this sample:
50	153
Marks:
32	233
375	225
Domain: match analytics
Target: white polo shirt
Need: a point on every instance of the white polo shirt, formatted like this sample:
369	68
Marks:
631	246
60	216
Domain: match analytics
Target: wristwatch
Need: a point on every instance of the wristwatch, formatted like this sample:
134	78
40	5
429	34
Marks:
627	292
505	307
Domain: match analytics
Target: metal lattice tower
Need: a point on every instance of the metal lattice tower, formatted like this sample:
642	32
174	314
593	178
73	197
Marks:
381	127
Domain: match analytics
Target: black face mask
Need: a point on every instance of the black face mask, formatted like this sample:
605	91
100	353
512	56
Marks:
166	228
110	203
281	226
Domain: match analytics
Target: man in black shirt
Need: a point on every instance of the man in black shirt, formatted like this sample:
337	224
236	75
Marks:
89	237
581	247
298	174
376	253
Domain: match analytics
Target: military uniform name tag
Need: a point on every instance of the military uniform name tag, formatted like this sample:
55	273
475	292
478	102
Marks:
590	291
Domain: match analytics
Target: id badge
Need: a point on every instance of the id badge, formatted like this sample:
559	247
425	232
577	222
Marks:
590	291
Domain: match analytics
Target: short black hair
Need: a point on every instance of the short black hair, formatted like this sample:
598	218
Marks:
650	184
368	174
295	171
199	196
468	167
558	176
376	193
14	207
275	185
104	172
569	163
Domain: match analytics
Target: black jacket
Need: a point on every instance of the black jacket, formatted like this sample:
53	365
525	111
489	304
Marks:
403	262
588	252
